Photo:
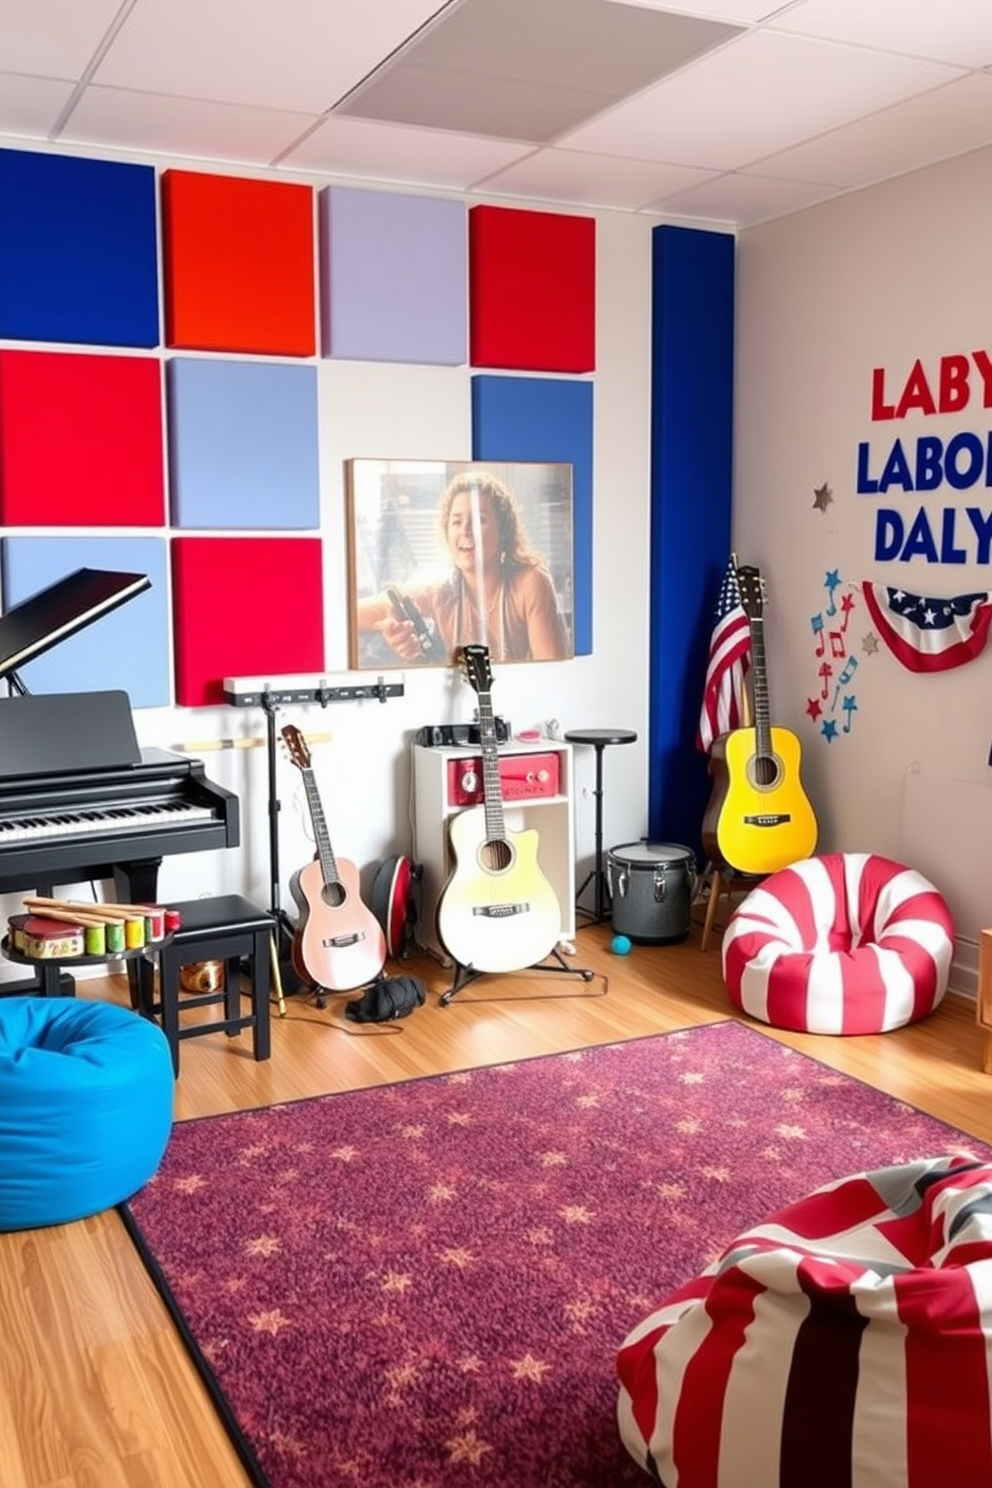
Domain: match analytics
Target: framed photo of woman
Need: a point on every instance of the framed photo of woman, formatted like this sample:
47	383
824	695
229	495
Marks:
444	553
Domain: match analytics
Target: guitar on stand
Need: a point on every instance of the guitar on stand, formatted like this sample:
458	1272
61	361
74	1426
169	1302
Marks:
497	912
758	818
338	943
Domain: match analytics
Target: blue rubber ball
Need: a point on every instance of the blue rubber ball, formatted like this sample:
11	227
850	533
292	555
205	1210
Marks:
620	945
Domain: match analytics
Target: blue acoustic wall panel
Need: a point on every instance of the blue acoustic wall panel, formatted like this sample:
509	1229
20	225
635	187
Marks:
129	647
78	250
394	277
243	444
692	342
538	418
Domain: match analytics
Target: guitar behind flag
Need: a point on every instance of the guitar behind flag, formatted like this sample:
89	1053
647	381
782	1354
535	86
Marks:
727	666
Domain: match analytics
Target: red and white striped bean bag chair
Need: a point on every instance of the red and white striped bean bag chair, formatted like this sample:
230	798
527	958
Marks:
842	943
844	1343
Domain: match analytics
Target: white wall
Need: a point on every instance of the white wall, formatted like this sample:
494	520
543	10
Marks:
875	279
378	410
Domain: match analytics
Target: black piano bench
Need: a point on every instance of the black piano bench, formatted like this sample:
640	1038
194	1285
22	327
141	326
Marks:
230	929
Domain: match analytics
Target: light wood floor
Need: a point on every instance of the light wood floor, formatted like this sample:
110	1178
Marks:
96	1390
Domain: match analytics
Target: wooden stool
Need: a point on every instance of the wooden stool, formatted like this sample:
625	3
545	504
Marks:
230	929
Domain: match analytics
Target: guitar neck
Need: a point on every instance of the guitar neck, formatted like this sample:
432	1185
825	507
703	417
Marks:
492	786
328	862
759	676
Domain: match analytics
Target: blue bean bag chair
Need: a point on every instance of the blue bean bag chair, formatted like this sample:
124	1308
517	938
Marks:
86	1094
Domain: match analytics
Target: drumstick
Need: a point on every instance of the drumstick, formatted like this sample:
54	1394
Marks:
66	915
105	911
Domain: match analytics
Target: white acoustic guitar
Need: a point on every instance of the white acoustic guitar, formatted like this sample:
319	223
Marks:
497	912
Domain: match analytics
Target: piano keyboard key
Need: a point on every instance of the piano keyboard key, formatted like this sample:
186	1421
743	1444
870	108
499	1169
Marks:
115	819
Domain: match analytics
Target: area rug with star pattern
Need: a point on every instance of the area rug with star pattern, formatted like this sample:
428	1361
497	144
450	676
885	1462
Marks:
424	1285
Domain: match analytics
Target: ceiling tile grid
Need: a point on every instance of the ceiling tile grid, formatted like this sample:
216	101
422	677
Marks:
543	101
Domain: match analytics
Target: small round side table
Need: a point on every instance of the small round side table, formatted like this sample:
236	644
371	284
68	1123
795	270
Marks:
598	739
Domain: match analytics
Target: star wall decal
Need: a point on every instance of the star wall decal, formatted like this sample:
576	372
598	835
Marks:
822	497
869	644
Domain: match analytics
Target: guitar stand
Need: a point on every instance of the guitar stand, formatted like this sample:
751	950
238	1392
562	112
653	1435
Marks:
466	974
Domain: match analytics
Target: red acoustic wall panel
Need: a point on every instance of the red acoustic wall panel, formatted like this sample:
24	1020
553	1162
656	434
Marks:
80	440
239	264
244	607
532	290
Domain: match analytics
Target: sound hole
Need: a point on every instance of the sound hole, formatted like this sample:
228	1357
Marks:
495	855
333	895
765	770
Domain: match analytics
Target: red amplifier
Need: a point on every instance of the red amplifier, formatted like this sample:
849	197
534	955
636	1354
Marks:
521	777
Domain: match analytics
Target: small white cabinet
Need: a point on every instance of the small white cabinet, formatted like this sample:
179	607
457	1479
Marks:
536	786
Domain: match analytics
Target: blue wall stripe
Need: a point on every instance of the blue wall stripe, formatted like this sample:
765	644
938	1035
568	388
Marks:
692	343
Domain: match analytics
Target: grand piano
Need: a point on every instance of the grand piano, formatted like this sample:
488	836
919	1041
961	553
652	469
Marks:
79	799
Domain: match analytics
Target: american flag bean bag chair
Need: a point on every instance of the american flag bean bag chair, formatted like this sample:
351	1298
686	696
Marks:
841	943
844	1343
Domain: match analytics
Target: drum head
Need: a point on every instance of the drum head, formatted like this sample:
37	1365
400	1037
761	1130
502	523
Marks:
650	854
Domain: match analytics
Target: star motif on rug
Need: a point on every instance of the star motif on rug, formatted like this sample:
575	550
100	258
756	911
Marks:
540	1235
263	1245
587	1102
529	1368
718	1175
869	644
412	1131
460	1118
397	1281
269	1322
467	1448
689	1126
822	497
403	1374
553	1159
344	1154
457	1256
670	1190
691	1077
441	1193
580	1312
190	1185
795	1133
576	1214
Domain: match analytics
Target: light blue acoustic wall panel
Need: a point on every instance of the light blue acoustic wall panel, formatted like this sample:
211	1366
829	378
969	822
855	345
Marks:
127	648
78	250
243	444
692	424
543	418
394	277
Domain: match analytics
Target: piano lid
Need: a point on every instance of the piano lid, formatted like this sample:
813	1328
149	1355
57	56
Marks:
40	622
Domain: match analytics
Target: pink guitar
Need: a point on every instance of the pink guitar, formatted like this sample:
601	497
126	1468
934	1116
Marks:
338	942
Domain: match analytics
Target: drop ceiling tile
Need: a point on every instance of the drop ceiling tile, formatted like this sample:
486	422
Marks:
777	90
182	126
920	131
357	148
51	38
29	106
742	200
521	70
958	31
590	180
303	56
736	12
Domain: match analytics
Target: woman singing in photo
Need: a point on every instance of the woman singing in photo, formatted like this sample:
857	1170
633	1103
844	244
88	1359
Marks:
499	592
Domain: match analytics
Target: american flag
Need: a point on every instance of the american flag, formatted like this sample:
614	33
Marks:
729	659
929	635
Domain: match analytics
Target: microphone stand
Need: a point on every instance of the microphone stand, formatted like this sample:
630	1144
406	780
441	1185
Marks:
284	929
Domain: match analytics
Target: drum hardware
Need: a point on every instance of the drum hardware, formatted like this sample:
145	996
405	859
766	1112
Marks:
652	886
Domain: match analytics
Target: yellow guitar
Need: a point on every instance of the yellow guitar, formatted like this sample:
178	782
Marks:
759	818
497	911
